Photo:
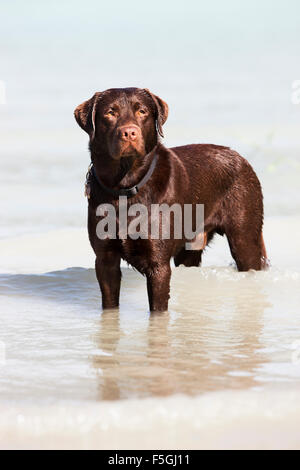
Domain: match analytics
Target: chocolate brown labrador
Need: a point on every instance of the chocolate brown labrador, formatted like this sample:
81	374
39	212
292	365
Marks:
124	127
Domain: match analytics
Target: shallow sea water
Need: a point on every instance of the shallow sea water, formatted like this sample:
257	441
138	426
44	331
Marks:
226	354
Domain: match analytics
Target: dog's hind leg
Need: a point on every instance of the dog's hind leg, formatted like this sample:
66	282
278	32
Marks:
264	259
247	249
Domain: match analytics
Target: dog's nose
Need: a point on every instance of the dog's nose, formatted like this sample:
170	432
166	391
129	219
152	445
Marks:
128	133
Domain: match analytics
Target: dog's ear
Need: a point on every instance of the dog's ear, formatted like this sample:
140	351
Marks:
85	115
162	111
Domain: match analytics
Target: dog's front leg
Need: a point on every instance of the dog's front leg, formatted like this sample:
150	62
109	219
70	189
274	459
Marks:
108	273
158	286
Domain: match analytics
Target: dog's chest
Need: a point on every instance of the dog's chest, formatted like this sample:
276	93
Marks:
129	234
138	253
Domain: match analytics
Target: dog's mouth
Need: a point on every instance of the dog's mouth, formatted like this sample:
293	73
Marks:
127	150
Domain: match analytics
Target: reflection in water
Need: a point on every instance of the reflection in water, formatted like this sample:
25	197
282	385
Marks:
224	339
225	330
159	355
209	340
106	362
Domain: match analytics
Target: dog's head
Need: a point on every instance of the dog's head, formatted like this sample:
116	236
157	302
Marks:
123	122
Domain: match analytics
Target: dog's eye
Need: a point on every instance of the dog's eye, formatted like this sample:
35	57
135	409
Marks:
142	111
110	112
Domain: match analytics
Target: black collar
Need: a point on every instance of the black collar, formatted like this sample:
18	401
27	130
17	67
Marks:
129	192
